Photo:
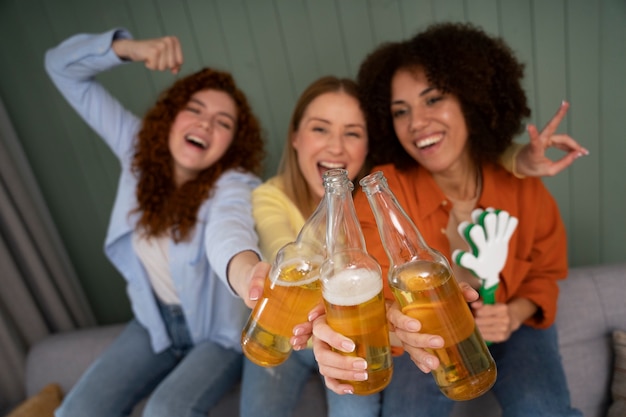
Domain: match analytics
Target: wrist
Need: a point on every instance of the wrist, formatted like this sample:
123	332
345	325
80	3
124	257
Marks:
238	271
520	310
121	49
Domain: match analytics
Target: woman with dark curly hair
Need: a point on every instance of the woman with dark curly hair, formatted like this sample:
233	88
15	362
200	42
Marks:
442	107
181	231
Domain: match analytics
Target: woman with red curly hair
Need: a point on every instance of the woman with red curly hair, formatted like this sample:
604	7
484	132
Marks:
442	108
181	232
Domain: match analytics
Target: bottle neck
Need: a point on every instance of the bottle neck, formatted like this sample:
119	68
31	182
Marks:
342	227
400	237
313	232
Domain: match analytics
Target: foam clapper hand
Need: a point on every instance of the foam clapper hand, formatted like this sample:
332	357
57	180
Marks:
488	237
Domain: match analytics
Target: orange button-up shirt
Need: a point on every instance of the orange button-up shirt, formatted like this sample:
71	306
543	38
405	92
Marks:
537	256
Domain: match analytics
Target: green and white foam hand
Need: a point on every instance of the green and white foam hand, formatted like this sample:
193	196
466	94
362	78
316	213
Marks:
488	237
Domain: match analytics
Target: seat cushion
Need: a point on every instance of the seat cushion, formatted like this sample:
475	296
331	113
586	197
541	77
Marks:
62	358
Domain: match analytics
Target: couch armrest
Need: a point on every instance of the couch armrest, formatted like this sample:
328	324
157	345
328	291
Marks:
591	306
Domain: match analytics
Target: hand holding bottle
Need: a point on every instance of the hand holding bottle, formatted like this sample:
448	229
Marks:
407	330
289	292
425	288
332	350
253	283
337	368
352	289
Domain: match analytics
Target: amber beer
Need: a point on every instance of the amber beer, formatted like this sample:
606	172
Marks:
428	292
289	294
360	315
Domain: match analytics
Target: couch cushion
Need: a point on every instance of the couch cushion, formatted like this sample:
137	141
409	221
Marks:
63	357
591	306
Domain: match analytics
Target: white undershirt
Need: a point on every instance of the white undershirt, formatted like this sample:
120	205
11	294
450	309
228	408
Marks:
154	255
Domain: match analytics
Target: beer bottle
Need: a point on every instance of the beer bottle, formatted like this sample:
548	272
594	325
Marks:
313	231
352	287
424	286
291	290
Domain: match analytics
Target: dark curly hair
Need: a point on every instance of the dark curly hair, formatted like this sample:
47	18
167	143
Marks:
163	206
458	59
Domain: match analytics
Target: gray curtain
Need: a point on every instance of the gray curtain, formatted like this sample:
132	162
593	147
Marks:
39	290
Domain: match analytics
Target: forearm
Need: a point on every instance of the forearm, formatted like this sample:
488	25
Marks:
72	66
82	56
230	230
123	48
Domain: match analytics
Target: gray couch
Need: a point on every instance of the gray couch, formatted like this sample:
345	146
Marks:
591	305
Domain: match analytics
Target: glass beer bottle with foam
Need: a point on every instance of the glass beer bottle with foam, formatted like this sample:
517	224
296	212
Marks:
424	286
352	288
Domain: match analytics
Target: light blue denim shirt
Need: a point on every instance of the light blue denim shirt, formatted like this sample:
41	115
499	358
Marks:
225	224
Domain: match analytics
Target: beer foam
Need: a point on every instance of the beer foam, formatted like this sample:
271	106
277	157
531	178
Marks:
352	287
309	267
282	283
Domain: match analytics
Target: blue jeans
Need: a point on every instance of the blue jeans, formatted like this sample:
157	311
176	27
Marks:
185	380
354	405
275	392
531	381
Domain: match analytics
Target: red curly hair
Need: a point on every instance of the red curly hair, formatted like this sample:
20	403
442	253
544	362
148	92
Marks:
163	206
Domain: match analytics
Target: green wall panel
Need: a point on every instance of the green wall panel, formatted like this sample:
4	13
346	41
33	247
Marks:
573	49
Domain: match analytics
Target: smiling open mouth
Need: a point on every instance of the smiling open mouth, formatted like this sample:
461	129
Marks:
326	166
429	141
195	141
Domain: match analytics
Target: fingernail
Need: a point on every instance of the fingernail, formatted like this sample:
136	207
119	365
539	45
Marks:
348	391
255	294
413	325
297	331
347	346
312	316
360	364
430	362
360	376
435	342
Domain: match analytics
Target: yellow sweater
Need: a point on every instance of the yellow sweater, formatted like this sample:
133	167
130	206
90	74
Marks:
278	220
